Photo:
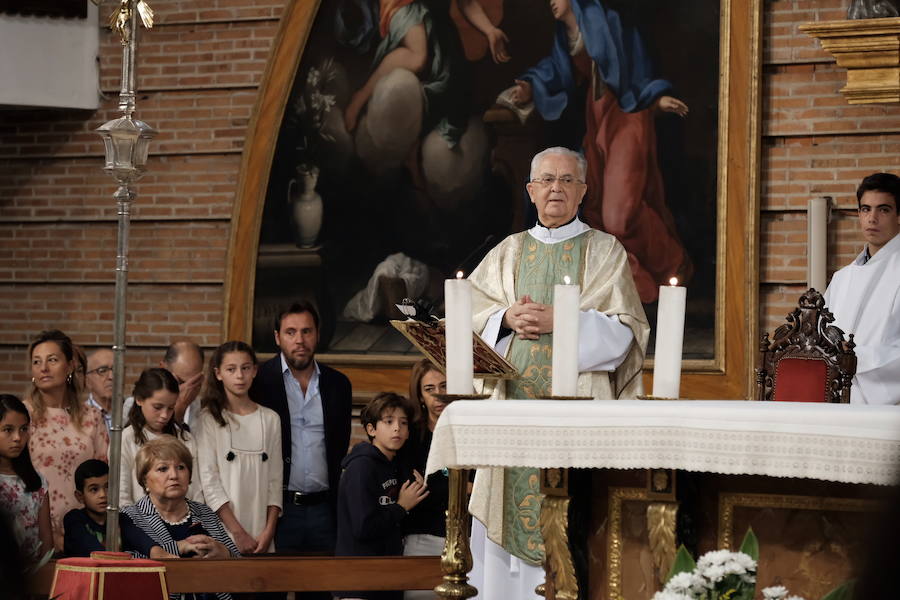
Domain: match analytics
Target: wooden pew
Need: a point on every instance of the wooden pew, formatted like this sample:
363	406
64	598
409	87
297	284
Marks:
288	574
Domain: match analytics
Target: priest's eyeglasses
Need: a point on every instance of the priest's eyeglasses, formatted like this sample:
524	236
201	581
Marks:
548	180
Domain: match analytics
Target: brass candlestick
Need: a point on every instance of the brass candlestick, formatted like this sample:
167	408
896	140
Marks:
456	560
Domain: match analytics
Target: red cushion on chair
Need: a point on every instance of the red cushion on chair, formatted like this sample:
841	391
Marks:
800	380
98	579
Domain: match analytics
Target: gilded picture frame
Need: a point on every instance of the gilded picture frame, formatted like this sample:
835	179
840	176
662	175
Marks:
727	375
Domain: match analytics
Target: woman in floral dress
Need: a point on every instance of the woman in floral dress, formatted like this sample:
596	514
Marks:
64	431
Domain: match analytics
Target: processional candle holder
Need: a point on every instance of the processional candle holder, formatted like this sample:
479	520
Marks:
126	142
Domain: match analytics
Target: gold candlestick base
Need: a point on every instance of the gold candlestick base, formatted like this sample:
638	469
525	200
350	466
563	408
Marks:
456	560
645	397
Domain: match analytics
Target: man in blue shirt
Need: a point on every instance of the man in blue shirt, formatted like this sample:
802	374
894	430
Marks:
313	402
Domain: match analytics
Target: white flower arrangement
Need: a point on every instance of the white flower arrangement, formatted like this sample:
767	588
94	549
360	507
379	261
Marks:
726	575
778	592
718	574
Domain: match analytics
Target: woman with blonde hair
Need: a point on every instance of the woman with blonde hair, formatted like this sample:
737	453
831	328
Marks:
164	523
64	431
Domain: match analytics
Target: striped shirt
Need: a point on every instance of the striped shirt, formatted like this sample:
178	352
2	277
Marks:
145	517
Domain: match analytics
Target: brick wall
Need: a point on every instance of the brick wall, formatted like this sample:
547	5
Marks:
199	71
814	144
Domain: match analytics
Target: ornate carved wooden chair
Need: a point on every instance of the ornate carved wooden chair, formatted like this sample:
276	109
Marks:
807	360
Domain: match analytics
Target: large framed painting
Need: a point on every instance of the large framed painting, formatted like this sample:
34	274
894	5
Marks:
392	140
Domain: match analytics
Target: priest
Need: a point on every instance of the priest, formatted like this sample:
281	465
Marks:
864	296
512	305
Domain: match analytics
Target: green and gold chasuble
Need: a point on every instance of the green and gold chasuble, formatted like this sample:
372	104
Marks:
541	267
507	501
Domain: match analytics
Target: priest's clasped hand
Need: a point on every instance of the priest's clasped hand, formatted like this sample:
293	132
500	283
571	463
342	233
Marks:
529	319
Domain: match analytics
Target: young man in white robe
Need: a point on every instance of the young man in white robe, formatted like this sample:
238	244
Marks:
512	306
864	296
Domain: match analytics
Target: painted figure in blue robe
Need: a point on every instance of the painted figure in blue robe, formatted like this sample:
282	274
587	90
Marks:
598	54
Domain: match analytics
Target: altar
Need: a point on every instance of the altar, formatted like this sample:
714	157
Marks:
806	477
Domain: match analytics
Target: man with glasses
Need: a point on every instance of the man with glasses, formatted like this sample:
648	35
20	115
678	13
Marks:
513	311
99	382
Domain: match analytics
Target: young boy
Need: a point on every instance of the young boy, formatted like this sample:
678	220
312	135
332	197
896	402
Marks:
375	492
85	528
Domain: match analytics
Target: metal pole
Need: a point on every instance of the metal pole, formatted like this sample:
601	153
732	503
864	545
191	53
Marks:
124	197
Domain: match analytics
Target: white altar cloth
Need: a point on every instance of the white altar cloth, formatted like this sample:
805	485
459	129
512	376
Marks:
832	442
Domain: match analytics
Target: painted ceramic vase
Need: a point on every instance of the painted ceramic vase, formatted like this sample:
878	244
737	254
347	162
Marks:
306	206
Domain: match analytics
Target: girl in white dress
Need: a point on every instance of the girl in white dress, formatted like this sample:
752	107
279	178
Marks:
152	415
240	451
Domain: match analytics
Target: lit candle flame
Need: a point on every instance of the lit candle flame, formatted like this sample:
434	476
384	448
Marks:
673	281
566	280
459	274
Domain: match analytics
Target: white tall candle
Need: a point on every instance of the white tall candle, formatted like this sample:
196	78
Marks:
817	235
564	376
669	339
458	325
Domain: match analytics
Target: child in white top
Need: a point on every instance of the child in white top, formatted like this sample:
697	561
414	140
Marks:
151	416
23	491
240	451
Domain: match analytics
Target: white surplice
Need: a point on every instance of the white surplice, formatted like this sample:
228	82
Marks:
864	297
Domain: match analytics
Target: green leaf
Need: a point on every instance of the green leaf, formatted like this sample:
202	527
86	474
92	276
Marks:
841	592
750	545
684	563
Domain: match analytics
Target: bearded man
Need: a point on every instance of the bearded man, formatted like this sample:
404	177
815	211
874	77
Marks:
313	401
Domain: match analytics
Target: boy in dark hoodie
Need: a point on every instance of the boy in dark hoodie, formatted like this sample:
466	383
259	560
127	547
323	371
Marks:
376	491
86	527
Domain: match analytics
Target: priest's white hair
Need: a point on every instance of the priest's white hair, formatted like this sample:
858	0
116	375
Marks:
559	150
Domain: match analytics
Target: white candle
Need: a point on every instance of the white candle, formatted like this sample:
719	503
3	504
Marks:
669	338
458	325
817	235
564	376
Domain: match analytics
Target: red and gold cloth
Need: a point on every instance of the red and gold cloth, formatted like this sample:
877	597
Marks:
107	576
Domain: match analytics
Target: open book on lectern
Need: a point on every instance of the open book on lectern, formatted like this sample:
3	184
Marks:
431	340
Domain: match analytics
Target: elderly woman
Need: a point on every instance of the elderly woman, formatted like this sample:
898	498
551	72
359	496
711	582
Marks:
176	526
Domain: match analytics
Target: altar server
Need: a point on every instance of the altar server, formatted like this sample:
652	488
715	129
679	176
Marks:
864	296
512	304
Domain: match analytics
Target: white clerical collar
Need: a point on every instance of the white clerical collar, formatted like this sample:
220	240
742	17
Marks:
558	234
865	258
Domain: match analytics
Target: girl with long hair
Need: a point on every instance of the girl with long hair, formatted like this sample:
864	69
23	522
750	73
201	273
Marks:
64	431
152	415
23	491
240	450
